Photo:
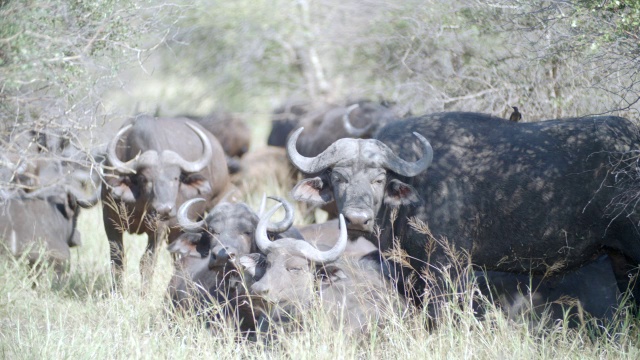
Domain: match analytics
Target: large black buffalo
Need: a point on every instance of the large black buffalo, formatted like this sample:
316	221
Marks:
515	197
155	165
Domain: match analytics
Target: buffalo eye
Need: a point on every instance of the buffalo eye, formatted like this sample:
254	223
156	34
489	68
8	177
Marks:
295	270
139	179
190	178
379	180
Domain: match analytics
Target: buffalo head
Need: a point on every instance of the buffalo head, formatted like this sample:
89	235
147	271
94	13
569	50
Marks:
227	232
156	178
290	264
359	175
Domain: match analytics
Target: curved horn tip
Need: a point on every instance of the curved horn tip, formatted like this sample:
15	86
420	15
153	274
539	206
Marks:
203	162
116	163
263	204
419	136
261	238
183	216
427	144
285	223
296	133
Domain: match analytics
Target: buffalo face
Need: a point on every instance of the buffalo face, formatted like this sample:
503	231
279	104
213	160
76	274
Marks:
159	179
357	174
229	229
289	267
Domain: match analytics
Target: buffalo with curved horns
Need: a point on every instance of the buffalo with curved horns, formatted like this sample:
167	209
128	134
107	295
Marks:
209	250
515	197
156	165
292	272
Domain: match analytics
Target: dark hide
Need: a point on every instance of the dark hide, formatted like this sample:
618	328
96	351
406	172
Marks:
589	290
519	197
285	119
515	197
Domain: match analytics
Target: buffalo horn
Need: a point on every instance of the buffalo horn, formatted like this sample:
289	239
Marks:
286	223
262	239
119	166
404	168
303	247
205	159
263	205
309	165
352	130
183	216
318	256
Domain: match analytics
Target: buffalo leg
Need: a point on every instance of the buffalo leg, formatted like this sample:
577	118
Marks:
116	251
150	256
114	225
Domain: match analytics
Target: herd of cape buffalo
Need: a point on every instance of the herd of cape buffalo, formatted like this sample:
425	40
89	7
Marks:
545	211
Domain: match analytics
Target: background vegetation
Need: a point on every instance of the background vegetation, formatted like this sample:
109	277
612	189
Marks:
87	65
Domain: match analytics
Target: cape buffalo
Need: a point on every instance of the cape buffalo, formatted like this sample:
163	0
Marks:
328	123
356	120
285	119
208	252
515	197
34	159
352	291
157	164
42	223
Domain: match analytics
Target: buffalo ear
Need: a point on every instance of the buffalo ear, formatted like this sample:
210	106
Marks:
253	264
313	190
66	204
398	193
121	189
187	245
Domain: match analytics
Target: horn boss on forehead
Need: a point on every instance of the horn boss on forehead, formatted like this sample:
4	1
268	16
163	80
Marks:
349	147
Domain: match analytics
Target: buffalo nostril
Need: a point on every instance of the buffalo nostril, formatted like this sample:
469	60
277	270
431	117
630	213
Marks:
223	254
219	259
165	209
358	218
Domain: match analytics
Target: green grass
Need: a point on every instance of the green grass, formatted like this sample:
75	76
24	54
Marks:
80	318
